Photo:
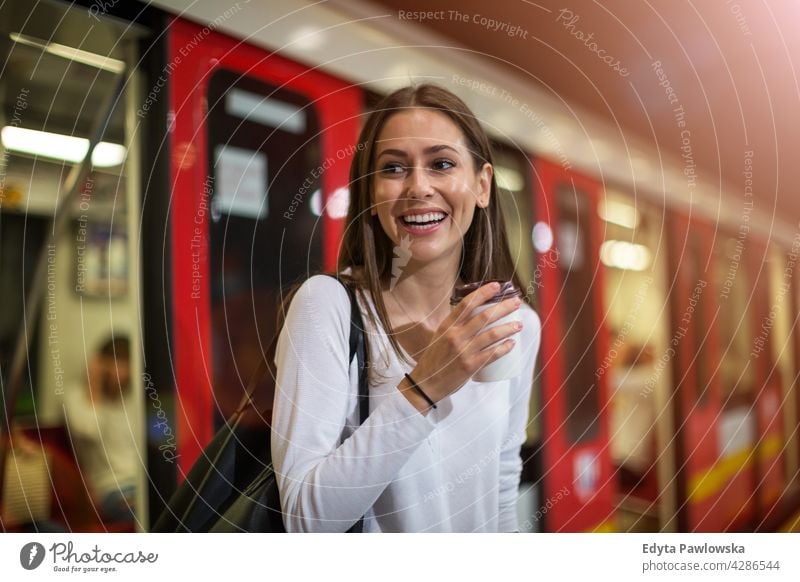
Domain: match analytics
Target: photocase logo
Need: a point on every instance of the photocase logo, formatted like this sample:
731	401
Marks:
31	555
402	254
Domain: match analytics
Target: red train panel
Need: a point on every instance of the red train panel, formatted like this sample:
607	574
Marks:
194	55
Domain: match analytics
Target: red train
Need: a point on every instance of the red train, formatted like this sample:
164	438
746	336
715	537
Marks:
700	476
666	394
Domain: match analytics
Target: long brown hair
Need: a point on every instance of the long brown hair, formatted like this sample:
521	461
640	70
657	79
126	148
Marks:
368	251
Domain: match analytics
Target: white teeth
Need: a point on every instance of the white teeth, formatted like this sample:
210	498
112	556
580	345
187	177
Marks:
428	217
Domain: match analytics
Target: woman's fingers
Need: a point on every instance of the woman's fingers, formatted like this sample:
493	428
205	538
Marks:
492	313
491	354
495	334
475	299
462	345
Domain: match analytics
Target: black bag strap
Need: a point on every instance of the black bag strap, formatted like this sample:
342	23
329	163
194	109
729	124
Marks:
358	350
358	347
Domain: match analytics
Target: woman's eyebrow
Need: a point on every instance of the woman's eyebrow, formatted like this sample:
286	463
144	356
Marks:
429	150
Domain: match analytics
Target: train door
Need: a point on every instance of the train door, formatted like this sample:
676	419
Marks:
768	313
578	486
260	153
637	320
713	426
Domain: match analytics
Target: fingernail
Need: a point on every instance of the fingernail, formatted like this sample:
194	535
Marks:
495	286
517	326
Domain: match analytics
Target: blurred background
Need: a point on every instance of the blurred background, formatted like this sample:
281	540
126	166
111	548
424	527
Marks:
169	169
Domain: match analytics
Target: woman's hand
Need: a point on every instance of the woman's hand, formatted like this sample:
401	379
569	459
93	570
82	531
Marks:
458	347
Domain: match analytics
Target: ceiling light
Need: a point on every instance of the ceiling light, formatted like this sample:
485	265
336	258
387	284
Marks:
619	213
73	54
42	143
56	146
108	155
620	254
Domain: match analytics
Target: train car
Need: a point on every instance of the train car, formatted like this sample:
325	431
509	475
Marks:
666	387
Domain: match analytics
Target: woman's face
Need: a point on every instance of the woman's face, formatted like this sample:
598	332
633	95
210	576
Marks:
425	186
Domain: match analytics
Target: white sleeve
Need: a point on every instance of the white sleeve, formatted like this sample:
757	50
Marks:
519	396
80	412
325	486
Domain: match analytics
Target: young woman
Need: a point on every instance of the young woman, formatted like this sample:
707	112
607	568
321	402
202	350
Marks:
424	217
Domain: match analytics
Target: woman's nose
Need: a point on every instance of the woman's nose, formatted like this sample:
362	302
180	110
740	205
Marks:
419	184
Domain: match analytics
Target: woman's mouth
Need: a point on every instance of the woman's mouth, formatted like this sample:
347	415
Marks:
422	223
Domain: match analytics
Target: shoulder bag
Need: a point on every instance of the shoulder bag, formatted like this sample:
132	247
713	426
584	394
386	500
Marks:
232	486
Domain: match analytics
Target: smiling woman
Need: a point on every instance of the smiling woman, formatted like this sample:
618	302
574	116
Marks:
421	153
439	450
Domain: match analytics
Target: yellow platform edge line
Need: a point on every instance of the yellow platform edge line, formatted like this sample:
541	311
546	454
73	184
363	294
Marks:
706	483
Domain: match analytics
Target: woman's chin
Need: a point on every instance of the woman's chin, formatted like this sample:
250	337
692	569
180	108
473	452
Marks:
422	253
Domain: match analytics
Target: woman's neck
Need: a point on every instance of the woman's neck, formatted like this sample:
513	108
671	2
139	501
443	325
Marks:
422	291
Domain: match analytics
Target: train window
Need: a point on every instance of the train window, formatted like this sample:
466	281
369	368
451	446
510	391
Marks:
265	110
579	324
733	282
264	232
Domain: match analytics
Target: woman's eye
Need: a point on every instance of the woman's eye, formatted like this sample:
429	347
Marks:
443	165
392	168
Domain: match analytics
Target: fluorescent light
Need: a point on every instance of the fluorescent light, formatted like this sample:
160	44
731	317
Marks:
618	213
108	155
624	255
41	143
56	146
73	54
508	179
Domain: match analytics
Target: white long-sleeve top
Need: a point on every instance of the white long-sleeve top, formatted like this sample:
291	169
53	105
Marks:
455	470
104	440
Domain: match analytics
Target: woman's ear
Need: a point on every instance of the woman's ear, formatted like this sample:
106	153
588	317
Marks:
485	185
